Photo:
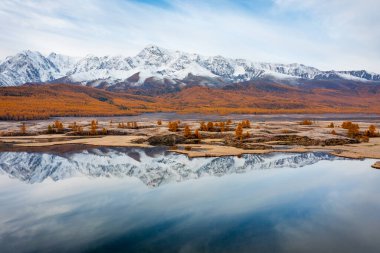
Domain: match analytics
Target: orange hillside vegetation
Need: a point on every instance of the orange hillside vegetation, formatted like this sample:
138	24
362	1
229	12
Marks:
282	99
43	101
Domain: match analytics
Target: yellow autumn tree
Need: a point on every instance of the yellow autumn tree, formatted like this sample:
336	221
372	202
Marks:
173	126
203	126
222	126
353	130
23	128
371	132
246	124
210	126
187	132
197	134
93	127
239	131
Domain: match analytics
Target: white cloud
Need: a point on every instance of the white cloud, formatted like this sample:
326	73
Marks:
350	26
326	34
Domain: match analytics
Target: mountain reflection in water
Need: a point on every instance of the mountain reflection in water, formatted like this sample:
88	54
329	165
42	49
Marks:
153	166
226	204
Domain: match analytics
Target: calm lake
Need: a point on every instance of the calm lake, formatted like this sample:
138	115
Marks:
151	200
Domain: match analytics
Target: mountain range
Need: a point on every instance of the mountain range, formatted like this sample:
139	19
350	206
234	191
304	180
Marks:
158	67
160	80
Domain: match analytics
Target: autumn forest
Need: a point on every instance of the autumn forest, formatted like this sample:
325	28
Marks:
44	101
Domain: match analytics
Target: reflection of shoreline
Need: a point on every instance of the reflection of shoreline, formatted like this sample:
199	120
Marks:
153	167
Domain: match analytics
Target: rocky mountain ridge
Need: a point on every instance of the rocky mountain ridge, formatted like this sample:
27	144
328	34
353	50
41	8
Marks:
158	66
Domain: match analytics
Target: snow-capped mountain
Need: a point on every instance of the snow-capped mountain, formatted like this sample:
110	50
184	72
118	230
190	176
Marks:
62	62
153	167
159	65
27	66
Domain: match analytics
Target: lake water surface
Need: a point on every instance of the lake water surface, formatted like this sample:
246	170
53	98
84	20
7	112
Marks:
135	200
217	117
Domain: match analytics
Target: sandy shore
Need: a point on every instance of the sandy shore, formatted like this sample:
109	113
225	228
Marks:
211	143
356	151
110	141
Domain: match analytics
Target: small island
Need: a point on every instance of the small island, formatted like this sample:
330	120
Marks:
376	165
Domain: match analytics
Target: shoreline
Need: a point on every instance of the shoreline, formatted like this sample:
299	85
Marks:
350	151
170	115
259	137
370	150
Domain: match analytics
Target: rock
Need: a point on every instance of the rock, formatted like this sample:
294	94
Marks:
166	140
252	146
245	144
139	141
339	141
296	140
376	165
192	141
306	141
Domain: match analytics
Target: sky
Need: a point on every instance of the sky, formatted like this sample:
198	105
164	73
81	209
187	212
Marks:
327	34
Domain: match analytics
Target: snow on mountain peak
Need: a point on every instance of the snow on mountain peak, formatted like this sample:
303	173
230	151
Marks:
157	63
27	66
154	56
62	62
